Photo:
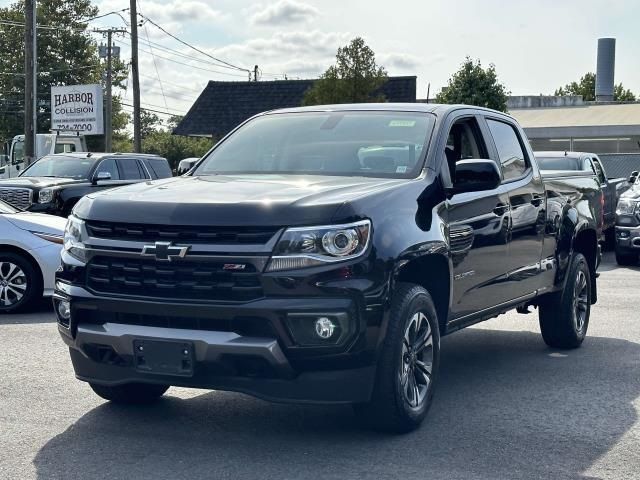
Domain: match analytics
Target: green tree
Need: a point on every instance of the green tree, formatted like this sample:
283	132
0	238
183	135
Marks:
587	88
355	78
149	123
474	85
67	55
174	147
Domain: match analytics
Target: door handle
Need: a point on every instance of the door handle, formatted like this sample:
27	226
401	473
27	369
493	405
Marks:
536	200
501	209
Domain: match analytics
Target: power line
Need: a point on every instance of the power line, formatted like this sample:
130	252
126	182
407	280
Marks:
228	65
153	111
196	90
187	64
155	64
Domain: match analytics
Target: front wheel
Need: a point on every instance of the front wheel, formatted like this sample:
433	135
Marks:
408	364
20	283
564	316
130	393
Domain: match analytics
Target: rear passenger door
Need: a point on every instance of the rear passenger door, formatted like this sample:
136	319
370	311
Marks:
523	183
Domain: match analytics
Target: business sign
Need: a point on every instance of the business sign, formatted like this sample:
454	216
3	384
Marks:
77	108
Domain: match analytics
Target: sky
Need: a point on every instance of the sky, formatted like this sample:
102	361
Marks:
536	46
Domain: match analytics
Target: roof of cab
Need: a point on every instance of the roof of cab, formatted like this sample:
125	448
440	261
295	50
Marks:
435	108
99	155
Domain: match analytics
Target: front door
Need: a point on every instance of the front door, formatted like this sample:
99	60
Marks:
479	229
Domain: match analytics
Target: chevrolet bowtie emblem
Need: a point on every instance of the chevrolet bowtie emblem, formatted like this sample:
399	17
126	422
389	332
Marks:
164	251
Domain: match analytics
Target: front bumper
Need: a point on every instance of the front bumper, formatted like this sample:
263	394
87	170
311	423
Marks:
266	364
628	239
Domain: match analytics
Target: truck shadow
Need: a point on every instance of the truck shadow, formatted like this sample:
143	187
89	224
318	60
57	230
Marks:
506	407
40	312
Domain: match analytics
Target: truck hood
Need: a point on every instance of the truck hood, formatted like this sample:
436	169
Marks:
38	222
37	182
632	194
231	200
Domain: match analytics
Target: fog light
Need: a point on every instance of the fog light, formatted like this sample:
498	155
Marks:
325	328
64	310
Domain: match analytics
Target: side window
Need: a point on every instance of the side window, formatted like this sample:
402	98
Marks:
598	170
65	148
109	166
510	151
158	167
464	142
130	169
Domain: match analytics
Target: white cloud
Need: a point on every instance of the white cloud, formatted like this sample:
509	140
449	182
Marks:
399	61
284	12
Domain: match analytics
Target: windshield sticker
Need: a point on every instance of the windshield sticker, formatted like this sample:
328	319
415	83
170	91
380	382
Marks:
402	123
401	169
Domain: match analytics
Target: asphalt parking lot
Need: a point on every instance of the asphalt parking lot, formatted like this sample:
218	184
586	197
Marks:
507	407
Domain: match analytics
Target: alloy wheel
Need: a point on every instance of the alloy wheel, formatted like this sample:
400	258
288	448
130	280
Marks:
13	284
580	301
416	368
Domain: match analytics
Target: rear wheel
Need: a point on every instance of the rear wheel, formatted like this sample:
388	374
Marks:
626	258
20	283
564	316
408	365
130	393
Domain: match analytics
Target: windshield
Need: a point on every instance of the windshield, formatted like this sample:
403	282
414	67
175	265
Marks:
6	208
60	166
348	143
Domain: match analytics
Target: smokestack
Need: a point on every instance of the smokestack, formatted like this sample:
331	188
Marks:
605	69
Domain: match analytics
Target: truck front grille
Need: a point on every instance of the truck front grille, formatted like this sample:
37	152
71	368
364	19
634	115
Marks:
183	234
181	280
17	197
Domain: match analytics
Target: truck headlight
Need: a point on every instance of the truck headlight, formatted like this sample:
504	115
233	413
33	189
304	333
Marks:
45	195
73	238
626	207
312	246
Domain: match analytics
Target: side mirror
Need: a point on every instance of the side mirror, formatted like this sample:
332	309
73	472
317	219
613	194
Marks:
633	177
476	175
101	176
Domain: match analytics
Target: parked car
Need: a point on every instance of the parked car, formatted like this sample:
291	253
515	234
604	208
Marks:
186	164
612	188
628	224
55	183
296	265
30	245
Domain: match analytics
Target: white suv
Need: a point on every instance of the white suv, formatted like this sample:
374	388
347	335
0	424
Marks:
30	245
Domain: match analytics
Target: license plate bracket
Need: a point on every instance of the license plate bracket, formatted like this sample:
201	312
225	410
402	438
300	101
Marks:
164	357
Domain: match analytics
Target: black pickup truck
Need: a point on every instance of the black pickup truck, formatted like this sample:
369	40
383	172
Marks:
56	182
612	188
319	254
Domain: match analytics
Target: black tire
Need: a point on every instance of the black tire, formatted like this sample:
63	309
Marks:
626	259
20	283
390	408
610	239
130	393
564	316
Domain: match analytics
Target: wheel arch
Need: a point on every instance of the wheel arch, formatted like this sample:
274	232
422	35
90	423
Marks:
585	241
433	273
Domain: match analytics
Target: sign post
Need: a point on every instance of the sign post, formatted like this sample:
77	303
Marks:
78	109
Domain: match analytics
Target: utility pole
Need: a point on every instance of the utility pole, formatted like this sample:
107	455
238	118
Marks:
255	73
108	111
30	82
137	141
